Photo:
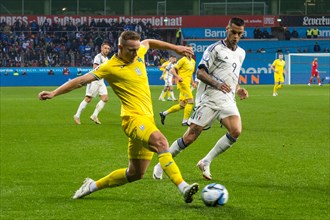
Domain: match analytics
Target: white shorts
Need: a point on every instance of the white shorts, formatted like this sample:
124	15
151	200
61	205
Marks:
169	81
205	116
96	88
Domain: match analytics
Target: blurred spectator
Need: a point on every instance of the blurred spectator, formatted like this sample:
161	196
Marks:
317	47
326	50
295	33
24	73
265	34
261	50
279	50
257	34
287	34
66	71
16	73
51	72
309	33
315	32
178	36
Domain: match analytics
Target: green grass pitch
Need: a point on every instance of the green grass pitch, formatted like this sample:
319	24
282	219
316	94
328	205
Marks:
278	169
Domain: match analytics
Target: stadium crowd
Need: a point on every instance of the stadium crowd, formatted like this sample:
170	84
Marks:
55	45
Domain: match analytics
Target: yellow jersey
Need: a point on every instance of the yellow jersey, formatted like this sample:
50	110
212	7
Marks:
279	66
130	83
185	68
163	66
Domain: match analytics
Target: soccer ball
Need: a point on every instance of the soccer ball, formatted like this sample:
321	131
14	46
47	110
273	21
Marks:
215	194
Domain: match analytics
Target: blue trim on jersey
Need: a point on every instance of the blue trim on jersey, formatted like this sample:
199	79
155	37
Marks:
212	46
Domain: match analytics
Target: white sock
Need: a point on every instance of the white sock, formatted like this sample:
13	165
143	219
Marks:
98	108
177	147
172	95
161	95
182	185
82	105
165	112
93	187
223	144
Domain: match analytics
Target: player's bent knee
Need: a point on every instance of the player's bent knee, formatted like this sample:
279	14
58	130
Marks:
235	133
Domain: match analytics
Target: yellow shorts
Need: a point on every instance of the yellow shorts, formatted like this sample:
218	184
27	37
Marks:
278	78
185	92
138	129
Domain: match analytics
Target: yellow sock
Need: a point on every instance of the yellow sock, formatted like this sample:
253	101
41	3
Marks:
174	108
165	93
187	110
275	89
170	168
115	178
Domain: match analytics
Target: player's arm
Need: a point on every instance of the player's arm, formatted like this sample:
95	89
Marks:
174	71
157	44
68	86
203	76
241	92
273	68
163	74
95	65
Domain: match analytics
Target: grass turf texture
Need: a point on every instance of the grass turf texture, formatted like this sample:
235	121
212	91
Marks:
278	169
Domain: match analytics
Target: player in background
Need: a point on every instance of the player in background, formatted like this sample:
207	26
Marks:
95	88
168	78
218	72
162	68
278	67
183	70
315	72
127	76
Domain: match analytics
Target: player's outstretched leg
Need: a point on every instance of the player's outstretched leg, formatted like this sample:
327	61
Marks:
84	190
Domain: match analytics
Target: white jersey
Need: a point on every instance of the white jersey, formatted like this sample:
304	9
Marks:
168	75
99	59
97	87
223	65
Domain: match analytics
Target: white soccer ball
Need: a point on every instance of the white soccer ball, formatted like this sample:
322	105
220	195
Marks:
215	194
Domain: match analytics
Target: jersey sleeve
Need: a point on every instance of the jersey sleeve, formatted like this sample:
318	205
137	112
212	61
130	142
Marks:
100	71
97	59
208	58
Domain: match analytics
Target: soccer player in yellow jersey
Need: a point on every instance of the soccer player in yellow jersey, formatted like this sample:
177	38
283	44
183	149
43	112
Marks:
278	67
127	76
183	70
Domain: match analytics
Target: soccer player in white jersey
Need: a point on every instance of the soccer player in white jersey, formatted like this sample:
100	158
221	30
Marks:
95	88
168	78
218	72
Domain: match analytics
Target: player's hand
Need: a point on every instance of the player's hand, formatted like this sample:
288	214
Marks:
179	79
242	93
44	95
183	50
224	87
